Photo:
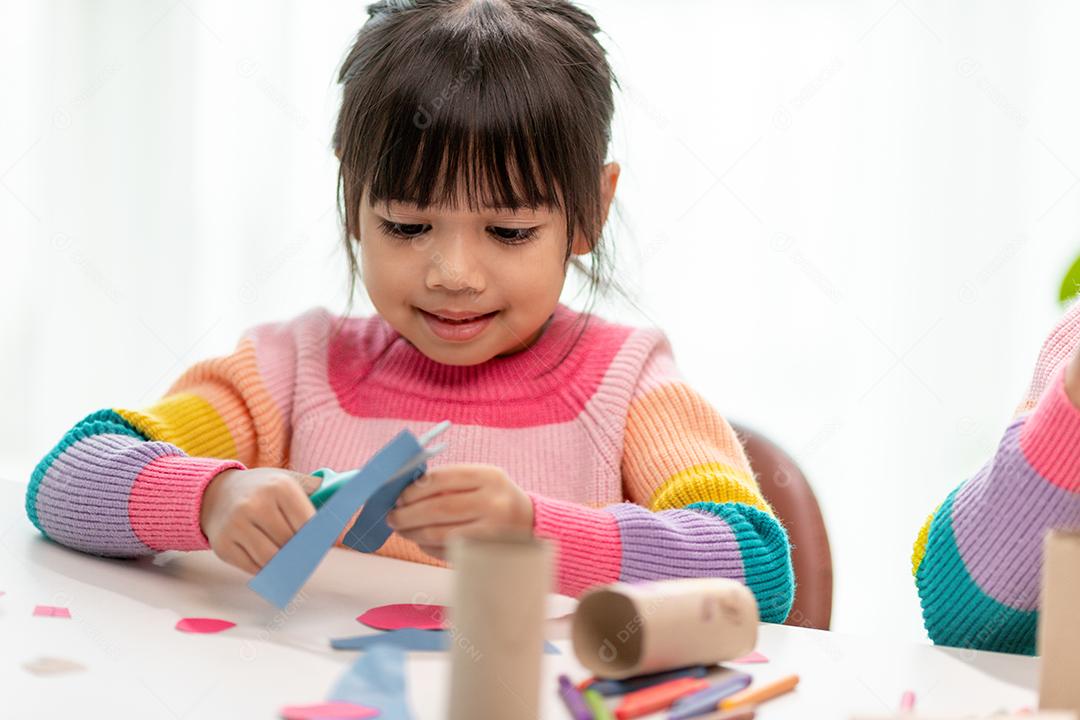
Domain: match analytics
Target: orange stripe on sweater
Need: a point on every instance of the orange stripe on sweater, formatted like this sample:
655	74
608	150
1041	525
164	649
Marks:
678	449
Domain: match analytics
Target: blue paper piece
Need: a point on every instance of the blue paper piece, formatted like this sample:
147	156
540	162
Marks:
281	578
370	530
408	639
377	680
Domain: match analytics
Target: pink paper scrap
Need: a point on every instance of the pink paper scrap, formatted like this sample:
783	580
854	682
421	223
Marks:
405	615
203	625
754	657
327	711
51	611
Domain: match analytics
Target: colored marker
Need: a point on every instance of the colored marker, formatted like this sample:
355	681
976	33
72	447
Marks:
633	684
740	714
575	703
708	699
650	699
760	693
907	701
595	701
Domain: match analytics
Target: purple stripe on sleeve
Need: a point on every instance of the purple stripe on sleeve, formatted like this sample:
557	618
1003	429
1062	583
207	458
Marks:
999	519
675	543
83	498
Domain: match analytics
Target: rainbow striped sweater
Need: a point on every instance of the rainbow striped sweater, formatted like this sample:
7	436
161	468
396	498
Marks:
978	558
631	473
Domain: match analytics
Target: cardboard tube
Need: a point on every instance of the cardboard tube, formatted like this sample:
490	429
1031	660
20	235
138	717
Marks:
1059	624
623	629
497	626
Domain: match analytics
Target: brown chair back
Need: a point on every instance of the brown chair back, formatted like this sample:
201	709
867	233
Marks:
791	497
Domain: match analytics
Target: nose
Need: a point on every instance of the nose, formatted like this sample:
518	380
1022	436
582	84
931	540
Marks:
453	267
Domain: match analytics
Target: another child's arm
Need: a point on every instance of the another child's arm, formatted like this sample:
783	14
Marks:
978	558
124	483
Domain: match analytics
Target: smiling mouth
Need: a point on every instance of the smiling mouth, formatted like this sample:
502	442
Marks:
457	329
459	320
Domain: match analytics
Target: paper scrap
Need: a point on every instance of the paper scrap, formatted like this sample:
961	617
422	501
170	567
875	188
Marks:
327	711
203	625
370	531
754	657
408	639
51	611
405	615
293	564
44	666
377	678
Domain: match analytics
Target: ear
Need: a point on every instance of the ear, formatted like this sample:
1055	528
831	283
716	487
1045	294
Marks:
609	178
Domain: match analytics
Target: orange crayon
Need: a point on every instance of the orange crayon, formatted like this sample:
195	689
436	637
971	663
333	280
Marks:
760	693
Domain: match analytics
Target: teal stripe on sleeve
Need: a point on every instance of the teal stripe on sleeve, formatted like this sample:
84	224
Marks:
956	611
766	555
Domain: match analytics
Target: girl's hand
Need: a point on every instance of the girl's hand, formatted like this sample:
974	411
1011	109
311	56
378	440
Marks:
247	515
460	500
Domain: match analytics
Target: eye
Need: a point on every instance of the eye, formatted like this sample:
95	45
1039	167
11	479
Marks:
513	236
403	230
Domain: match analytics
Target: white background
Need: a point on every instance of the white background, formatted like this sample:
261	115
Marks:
851	218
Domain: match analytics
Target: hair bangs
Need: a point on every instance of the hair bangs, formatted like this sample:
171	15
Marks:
460	133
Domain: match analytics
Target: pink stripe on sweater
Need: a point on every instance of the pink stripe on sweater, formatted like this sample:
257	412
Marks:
376	373
588	548
1050	438
166	500
1056	350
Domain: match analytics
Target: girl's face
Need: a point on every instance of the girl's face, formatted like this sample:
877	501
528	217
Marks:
464	286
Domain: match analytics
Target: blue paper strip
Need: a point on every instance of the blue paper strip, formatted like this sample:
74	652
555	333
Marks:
408	639
281	578
370	530
377	680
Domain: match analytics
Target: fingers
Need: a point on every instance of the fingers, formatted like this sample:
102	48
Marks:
455	508
296	508
307	483
274	524
455	478
251	514
440	535
258	545
434	539
237	556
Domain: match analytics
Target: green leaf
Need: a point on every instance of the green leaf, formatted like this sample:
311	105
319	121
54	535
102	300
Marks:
1070	286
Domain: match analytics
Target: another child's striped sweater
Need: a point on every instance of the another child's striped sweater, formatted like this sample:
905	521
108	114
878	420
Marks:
978	558
583	427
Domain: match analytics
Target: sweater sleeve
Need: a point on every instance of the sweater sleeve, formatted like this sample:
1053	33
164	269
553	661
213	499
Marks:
978	558
694	507
125	483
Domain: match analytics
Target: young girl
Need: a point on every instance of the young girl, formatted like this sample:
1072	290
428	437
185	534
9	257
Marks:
978	558
472	138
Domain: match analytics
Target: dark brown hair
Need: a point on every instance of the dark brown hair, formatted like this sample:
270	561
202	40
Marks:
504	103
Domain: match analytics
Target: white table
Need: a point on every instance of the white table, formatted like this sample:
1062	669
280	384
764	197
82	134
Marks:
138	665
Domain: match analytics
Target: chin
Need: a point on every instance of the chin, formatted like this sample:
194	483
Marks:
463	355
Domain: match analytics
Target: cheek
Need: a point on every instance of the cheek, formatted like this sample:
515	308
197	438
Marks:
382	268
540	269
